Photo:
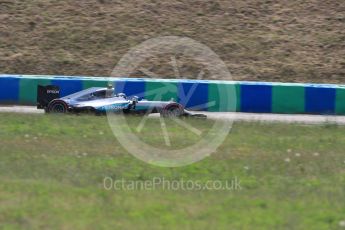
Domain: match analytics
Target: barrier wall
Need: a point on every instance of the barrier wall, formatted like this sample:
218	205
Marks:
257	97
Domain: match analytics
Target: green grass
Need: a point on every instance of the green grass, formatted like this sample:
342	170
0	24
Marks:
52	170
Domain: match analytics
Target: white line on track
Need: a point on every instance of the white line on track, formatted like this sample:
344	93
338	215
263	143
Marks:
20	109
284	118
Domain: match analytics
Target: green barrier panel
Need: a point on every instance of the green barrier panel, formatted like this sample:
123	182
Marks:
288	99
161	91
95	83
231	103
340	101
28	89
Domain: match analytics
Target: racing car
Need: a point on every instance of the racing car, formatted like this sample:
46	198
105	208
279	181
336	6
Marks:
99	100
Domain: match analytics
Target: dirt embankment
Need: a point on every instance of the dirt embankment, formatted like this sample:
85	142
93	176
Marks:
264	40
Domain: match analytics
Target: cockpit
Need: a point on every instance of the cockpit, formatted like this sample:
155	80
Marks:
95	94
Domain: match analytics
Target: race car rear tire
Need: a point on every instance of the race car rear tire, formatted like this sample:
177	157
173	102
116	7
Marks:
57	107
172	110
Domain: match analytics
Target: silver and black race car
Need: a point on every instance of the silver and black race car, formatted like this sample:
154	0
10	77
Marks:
100	100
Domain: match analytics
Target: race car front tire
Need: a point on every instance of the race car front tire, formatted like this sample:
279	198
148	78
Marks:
172	110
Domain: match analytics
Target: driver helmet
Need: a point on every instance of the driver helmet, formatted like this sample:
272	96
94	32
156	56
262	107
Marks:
109	90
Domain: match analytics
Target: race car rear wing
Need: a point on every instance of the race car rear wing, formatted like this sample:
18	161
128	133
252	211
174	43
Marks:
46	94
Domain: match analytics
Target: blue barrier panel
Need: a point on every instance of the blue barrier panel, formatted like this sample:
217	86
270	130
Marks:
320	99
68	86
131	88
193	95
9	89
256	98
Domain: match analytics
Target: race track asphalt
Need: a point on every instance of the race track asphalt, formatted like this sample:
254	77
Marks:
259	117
